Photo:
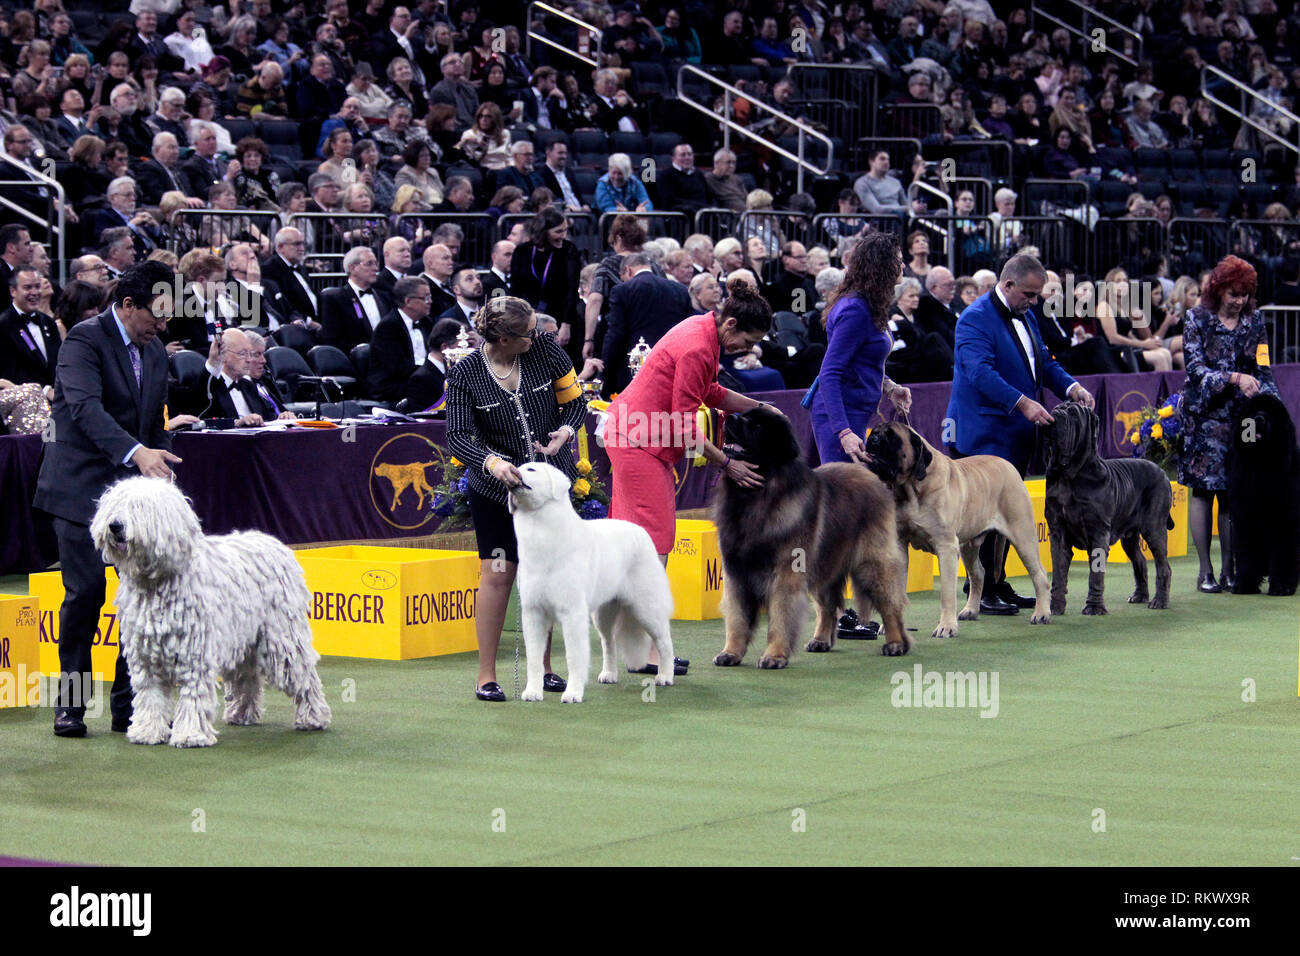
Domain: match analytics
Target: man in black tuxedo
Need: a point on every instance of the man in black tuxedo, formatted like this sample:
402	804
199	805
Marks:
642	306
426	388
300	305
109	392
15	252
784	293
468	287
397	263
29	339
257	299
681	185
349	315
231	393
264	384
934	313
398	345
439	264
499	275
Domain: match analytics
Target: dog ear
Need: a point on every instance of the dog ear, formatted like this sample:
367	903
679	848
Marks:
1094	426
921	458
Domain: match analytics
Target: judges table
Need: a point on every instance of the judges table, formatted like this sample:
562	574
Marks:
374	482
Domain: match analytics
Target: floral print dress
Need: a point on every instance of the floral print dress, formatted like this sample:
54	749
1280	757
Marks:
1209	403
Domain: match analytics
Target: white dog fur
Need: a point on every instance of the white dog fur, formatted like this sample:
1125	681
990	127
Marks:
193	607
570	569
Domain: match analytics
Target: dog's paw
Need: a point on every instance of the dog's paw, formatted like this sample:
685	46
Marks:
1139	597
965	614
139	736
664	680
1092	609
193	740
571	696
947	630
1159	603
1058	607
531	694
772	663
607	677
1041	619
816	646
1280	592
894	648
727	659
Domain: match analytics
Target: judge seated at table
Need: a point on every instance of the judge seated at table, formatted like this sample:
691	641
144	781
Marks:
231	393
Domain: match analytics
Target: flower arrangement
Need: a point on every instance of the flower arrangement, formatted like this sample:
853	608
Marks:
1158	435
451	497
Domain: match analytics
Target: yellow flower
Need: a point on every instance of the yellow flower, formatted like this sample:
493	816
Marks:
1134	439
584	466
1165	412
598	405
456	463
581	487
1157	431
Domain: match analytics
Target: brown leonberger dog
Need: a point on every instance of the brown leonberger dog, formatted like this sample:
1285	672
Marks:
803	531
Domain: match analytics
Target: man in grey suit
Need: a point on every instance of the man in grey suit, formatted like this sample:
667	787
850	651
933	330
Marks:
109	391
642	306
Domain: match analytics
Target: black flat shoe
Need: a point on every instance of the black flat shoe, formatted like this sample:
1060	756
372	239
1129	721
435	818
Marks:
1005	593
69	725
1207	585
554	683
121	725
996	607
679	668
849	619
858	632
491	691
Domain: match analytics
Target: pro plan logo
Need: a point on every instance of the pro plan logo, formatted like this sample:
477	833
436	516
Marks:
26	617
403	474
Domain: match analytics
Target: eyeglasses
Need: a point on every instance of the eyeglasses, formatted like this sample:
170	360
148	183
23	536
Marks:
243	353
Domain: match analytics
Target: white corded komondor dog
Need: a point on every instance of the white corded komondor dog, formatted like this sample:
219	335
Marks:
570	569
192	607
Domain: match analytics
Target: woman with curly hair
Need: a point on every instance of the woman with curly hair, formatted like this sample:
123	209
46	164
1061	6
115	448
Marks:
256	184
486	143
1225	344
846	393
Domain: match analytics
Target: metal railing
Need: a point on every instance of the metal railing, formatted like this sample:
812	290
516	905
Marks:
478	235
841	230
585	30
675	225
729	94
1195	245
774	227
1284	332
219	229
1240	111
1036	192
912	120
49	193
1268	244
582	228
716	221
966	152
855	84
1087	19
902	150
980	187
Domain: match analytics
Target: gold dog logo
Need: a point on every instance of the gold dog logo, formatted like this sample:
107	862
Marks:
401	487
1126	421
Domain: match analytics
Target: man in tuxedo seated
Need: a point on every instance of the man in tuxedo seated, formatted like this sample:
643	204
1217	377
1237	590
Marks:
642	306
468	289
231	393
439	263
793	290
29	339
426	388
499	276
349	315
161	174
397	262
934	313
264	384
257	299
118	252
297	300
398	347
204	309
16	251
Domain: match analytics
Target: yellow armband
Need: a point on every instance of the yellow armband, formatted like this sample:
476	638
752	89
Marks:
567	388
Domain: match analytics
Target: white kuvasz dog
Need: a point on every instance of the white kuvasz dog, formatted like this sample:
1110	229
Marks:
570	569
192	607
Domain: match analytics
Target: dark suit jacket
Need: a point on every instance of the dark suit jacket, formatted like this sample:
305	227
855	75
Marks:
386	281
21	362
682	193
99	415
491	282
933	316
146	240
344	323
296	303
513	177
552	182
425	387
153	181
645	306
70	132
316	100
6	297
607	117
442	300
558	295
780	293
222	404
558	116
392	358
197	177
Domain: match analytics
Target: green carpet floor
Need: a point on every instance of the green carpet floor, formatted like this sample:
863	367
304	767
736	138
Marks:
1137	716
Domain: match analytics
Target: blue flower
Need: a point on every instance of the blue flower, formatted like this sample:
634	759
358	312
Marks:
463	485
591	508
444	505
1145	431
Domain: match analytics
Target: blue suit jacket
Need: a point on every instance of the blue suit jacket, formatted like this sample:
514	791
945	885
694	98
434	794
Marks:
990	374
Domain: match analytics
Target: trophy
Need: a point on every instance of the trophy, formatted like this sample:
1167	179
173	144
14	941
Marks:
460	350
591	389
637	355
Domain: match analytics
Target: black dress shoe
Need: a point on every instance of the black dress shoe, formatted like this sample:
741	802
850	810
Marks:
1227	582
991	604
121	725
679	668
1207	585
1005	593
68	724
858	631
491	691
554	683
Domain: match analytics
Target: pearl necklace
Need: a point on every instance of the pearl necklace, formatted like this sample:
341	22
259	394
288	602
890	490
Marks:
488	362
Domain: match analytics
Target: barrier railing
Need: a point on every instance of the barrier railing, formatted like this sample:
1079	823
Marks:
1055	192
1256	99
1086	22
1284	332
45	217
911	120
902	150
675	225
1195	245
218	229
839	231
717	222
477	229
804	132
987	158
1268	244
857	84
582	228
588	37
775	227
1132	244
329	235
980	187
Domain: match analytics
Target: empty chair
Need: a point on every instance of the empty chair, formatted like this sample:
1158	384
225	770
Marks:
188	366
287	368
543	138
295	337
664	142
360	356
281	139
621	142
1185	166
1190	197
330	362
590	141
1256	198
239	128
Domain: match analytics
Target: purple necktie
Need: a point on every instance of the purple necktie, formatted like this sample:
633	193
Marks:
134	352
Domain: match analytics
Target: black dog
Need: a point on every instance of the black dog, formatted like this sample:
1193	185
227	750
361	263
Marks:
802	531
1092	503
1264	498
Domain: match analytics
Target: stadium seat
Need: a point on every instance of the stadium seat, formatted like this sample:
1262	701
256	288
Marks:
584	180
296	338
621	142
520	132
360	356
650	78
326	360
281	138
544	137
188	366
1189	197
1111	196
590	141
239	128
1224	199
1256	197
745	71
287	368
664	142
1151	163
1185	166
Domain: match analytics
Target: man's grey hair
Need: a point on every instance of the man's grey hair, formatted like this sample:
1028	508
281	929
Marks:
546	323
637	260
160	138
120	89
697	241
1021	267
723	154
448	230
111	237
118	184
517	146
354	256
172	94
828	280
935	276
654	251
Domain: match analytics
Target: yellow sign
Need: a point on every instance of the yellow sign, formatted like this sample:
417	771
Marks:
47	587
19	651
695	572
391	603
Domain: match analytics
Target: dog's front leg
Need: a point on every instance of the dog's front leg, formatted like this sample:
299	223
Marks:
536	622
1062	555
1098	552
786	609
149	720
1133	549
740	611
195	705
606	619
577	654
947	550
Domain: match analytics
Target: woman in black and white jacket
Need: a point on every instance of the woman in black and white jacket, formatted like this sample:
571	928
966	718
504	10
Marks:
513	401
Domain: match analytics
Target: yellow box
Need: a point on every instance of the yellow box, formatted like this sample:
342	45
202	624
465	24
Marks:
391	603
20	654
695	572
921	569
47	587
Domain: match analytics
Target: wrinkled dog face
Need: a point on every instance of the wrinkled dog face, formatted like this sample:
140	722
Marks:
897	453
1072	437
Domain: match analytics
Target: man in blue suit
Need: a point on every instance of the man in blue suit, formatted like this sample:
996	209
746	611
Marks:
1000	363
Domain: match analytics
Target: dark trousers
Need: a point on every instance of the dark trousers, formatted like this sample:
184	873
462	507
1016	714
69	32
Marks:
993	552
83	583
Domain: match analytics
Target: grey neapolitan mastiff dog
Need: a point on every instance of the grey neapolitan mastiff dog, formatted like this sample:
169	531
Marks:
1092	503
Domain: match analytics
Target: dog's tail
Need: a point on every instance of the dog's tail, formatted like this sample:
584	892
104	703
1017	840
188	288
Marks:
633	642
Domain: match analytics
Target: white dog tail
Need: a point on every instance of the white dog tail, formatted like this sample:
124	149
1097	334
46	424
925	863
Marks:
633	642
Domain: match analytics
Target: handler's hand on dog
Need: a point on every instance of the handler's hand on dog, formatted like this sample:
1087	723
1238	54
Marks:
901	396
1033	411
1248	384
152	462
743	473
854	447
506	473
558	438
1082	396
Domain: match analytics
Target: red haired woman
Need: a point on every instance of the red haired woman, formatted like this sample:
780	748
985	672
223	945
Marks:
1226	347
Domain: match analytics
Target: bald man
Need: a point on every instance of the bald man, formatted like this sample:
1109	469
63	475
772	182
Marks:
234	395
397	263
